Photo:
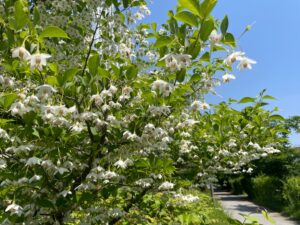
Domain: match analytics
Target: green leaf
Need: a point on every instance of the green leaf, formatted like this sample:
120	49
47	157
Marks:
103	73
132	72
69	74
267	216
192	5
53	31
246	100
277	117
187	17
206	29
53	67
52	80
20	14
180	75
251	218
195	78
194	49
224	25
93	64
205	57
269	97
154	26
206	7
36	16
125	4
229	39
44	202
7	99
162	41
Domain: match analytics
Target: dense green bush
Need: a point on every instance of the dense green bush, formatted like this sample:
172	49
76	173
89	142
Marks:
291	193
235	185
191	207
267	191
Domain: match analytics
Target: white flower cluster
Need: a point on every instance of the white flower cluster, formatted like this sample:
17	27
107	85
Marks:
156	111
14	209
215	38
165	186
245	63
197	105
161	87
37	60
99	174
6	82
177	61
227	77
144	182
123	164
187	198
4	135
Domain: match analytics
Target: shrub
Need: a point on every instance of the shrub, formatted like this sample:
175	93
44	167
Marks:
267	191
236	185
247	186
291	193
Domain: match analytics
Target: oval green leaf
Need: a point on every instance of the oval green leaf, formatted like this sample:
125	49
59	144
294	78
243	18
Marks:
187	17
162	41
53	31
224	25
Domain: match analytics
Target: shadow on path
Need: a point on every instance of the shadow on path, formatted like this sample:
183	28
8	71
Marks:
234	205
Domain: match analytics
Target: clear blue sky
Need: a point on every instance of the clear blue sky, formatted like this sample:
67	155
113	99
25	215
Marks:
274	42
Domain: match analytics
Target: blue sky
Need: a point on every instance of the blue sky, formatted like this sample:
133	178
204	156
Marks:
274	42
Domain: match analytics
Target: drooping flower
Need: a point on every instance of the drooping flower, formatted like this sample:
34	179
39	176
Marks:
233	57
162	87
227	77
184	60
33	161
215	38
77	127
126	91
14	209
113	89
125	51
204	106
35	178
138	16
45	91
65	193
120	164
97	99
18	108
38	61
3	134
145	10
246	63
6	82
123	164
21	53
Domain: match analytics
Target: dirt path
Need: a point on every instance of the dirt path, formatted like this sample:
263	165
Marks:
236	204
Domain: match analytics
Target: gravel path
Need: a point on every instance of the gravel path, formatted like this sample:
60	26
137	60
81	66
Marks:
236	204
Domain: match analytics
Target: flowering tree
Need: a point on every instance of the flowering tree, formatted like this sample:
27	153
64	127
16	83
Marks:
96	117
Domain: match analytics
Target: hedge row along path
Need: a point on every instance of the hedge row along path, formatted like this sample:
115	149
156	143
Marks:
234	205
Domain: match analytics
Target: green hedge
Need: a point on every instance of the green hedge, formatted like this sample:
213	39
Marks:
235	185
291	193
267	191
